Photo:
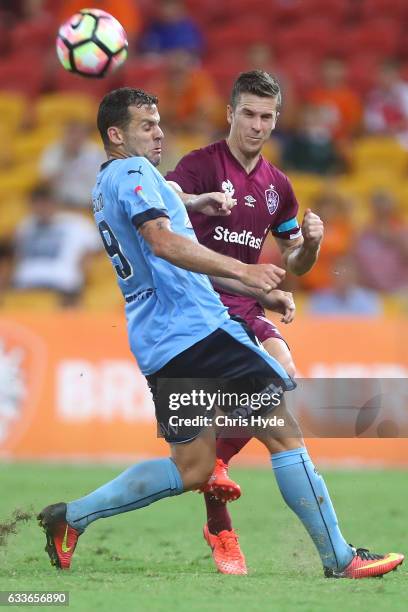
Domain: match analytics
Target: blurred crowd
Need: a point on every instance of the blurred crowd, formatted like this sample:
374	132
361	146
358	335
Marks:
342	136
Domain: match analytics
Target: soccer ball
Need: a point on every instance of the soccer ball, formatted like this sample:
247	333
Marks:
92	43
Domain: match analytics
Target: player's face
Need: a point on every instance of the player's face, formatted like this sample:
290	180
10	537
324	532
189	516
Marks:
252	122
143	135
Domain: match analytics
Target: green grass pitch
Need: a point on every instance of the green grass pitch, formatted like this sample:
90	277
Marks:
156	559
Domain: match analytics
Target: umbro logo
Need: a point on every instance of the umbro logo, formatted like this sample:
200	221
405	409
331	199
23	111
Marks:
250	201
136	171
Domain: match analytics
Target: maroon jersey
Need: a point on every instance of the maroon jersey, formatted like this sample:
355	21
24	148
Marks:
265	202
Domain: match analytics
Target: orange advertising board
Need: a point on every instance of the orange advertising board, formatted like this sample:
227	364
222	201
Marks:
70	389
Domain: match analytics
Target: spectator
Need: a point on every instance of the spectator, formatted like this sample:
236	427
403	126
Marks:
386	110
6	257
191	100
171	29
260	56
343	105
311	148
382	247
52	248
71	164
334	210
345	298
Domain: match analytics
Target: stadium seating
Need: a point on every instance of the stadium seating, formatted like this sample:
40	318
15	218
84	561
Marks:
12	211
299	32
379	38
317	36
34	301
29	146
58	108
144	74
373	154
12	107
16	78
397	9
40	33
18	179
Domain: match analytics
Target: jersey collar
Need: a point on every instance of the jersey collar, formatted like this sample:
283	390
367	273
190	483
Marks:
237	163
106	164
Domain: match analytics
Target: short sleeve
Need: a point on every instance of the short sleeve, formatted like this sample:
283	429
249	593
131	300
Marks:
189	172
287	226
139	192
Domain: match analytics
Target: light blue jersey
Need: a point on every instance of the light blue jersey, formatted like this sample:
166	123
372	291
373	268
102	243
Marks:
168	309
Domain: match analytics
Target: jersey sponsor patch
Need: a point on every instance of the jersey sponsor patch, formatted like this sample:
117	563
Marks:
245	237
272	199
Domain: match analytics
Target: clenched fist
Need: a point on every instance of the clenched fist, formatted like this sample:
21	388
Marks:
262	276
215	204
312	228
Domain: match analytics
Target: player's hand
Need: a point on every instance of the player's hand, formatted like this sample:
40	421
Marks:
280	301
262	276
214	204
312	228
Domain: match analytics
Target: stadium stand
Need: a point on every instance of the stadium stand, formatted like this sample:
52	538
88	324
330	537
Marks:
36	103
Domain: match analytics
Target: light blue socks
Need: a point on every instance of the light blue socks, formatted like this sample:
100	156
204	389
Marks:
305	492
140	485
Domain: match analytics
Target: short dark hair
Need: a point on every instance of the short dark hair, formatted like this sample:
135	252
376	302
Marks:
256	82
114	108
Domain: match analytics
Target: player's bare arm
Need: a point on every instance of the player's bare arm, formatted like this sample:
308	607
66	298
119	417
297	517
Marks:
213	204
276	300
300	255
185	253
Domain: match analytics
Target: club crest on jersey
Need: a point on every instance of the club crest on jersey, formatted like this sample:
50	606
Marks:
272	199
228	187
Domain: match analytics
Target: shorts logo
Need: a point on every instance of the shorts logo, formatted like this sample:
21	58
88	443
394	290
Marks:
228	187
272	199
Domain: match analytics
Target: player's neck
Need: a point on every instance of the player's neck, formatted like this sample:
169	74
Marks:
248	163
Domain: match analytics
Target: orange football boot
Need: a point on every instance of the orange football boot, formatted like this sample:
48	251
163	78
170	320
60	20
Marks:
367	565
227	555
61	537
220	484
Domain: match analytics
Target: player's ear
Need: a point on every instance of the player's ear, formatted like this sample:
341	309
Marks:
115	135
229	113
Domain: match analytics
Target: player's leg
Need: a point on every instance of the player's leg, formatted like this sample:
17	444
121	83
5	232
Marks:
218	531
139	486
305	492
192	462
221	488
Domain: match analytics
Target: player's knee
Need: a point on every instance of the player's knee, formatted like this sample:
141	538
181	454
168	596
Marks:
197	474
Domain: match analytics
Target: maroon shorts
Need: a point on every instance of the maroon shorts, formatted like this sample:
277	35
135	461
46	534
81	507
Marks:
253	314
